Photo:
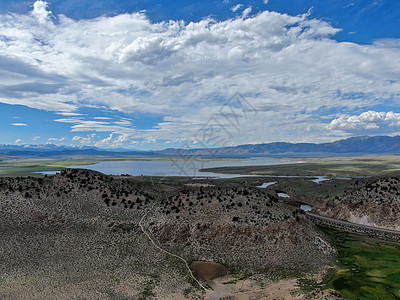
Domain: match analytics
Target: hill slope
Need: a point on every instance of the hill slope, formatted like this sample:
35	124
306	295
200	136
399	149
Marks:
77	235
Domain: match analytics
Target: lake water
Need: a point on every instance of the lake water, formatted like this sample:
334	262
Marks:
306	207
176	168
266	184
319	179
283	195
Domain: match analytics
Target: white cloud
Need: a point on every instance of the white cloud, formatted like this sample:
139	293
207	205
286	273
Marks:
288	67
236	7
19	124
123	123
368	122
121	127
266	2
84	140
40	11
56	139
68	114
18	141
112	141
149	140
246	12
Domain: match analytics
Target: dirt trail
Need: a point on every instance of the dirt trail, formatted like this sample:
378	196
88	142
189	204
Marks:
241	290
169	253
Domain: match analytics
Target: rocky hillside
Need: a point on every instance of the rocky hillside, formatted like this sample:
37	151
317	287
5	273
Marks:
78	234
372	202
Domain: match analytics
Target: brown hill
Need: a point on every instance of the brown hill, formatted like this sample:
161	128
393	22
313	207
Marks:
372	202
77	235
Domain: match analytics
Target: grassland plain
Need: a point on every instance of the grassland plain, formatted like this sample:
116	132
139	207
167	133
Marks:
371	165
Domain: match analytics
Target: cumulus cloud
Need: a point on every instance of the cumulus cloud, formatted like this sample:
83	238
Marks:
40	11
112	141
56	139
19	124
368	122
84	140
149	140
288	67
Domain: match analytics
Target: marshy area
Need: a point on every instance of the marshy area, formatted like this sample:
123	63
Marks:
366	268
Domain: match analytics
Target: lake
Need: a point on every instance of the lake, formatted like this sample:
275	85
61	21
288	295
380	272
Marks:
176	167
306	207
267	184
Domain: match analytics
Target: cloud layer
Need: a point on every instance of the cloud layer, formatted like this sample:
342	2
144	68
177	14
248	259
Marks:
288	67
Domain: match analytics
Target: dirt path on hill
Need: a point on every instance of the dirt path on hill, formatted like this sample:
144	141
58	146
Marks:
224	289
169	253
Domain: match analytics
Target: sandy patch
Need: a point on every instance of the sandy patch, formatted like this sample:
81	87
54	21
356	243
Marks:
249	290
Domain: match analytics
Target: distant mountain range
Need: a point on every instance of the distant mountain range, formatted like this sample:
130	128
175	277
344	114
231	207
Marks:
350	146
44	150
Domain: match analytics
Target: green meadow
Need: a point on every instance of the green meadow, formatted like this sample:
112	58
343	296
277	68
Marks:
367	268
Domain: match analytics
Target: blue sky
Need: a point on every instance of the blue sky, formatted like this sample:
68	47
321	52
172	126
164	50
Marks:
158	74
